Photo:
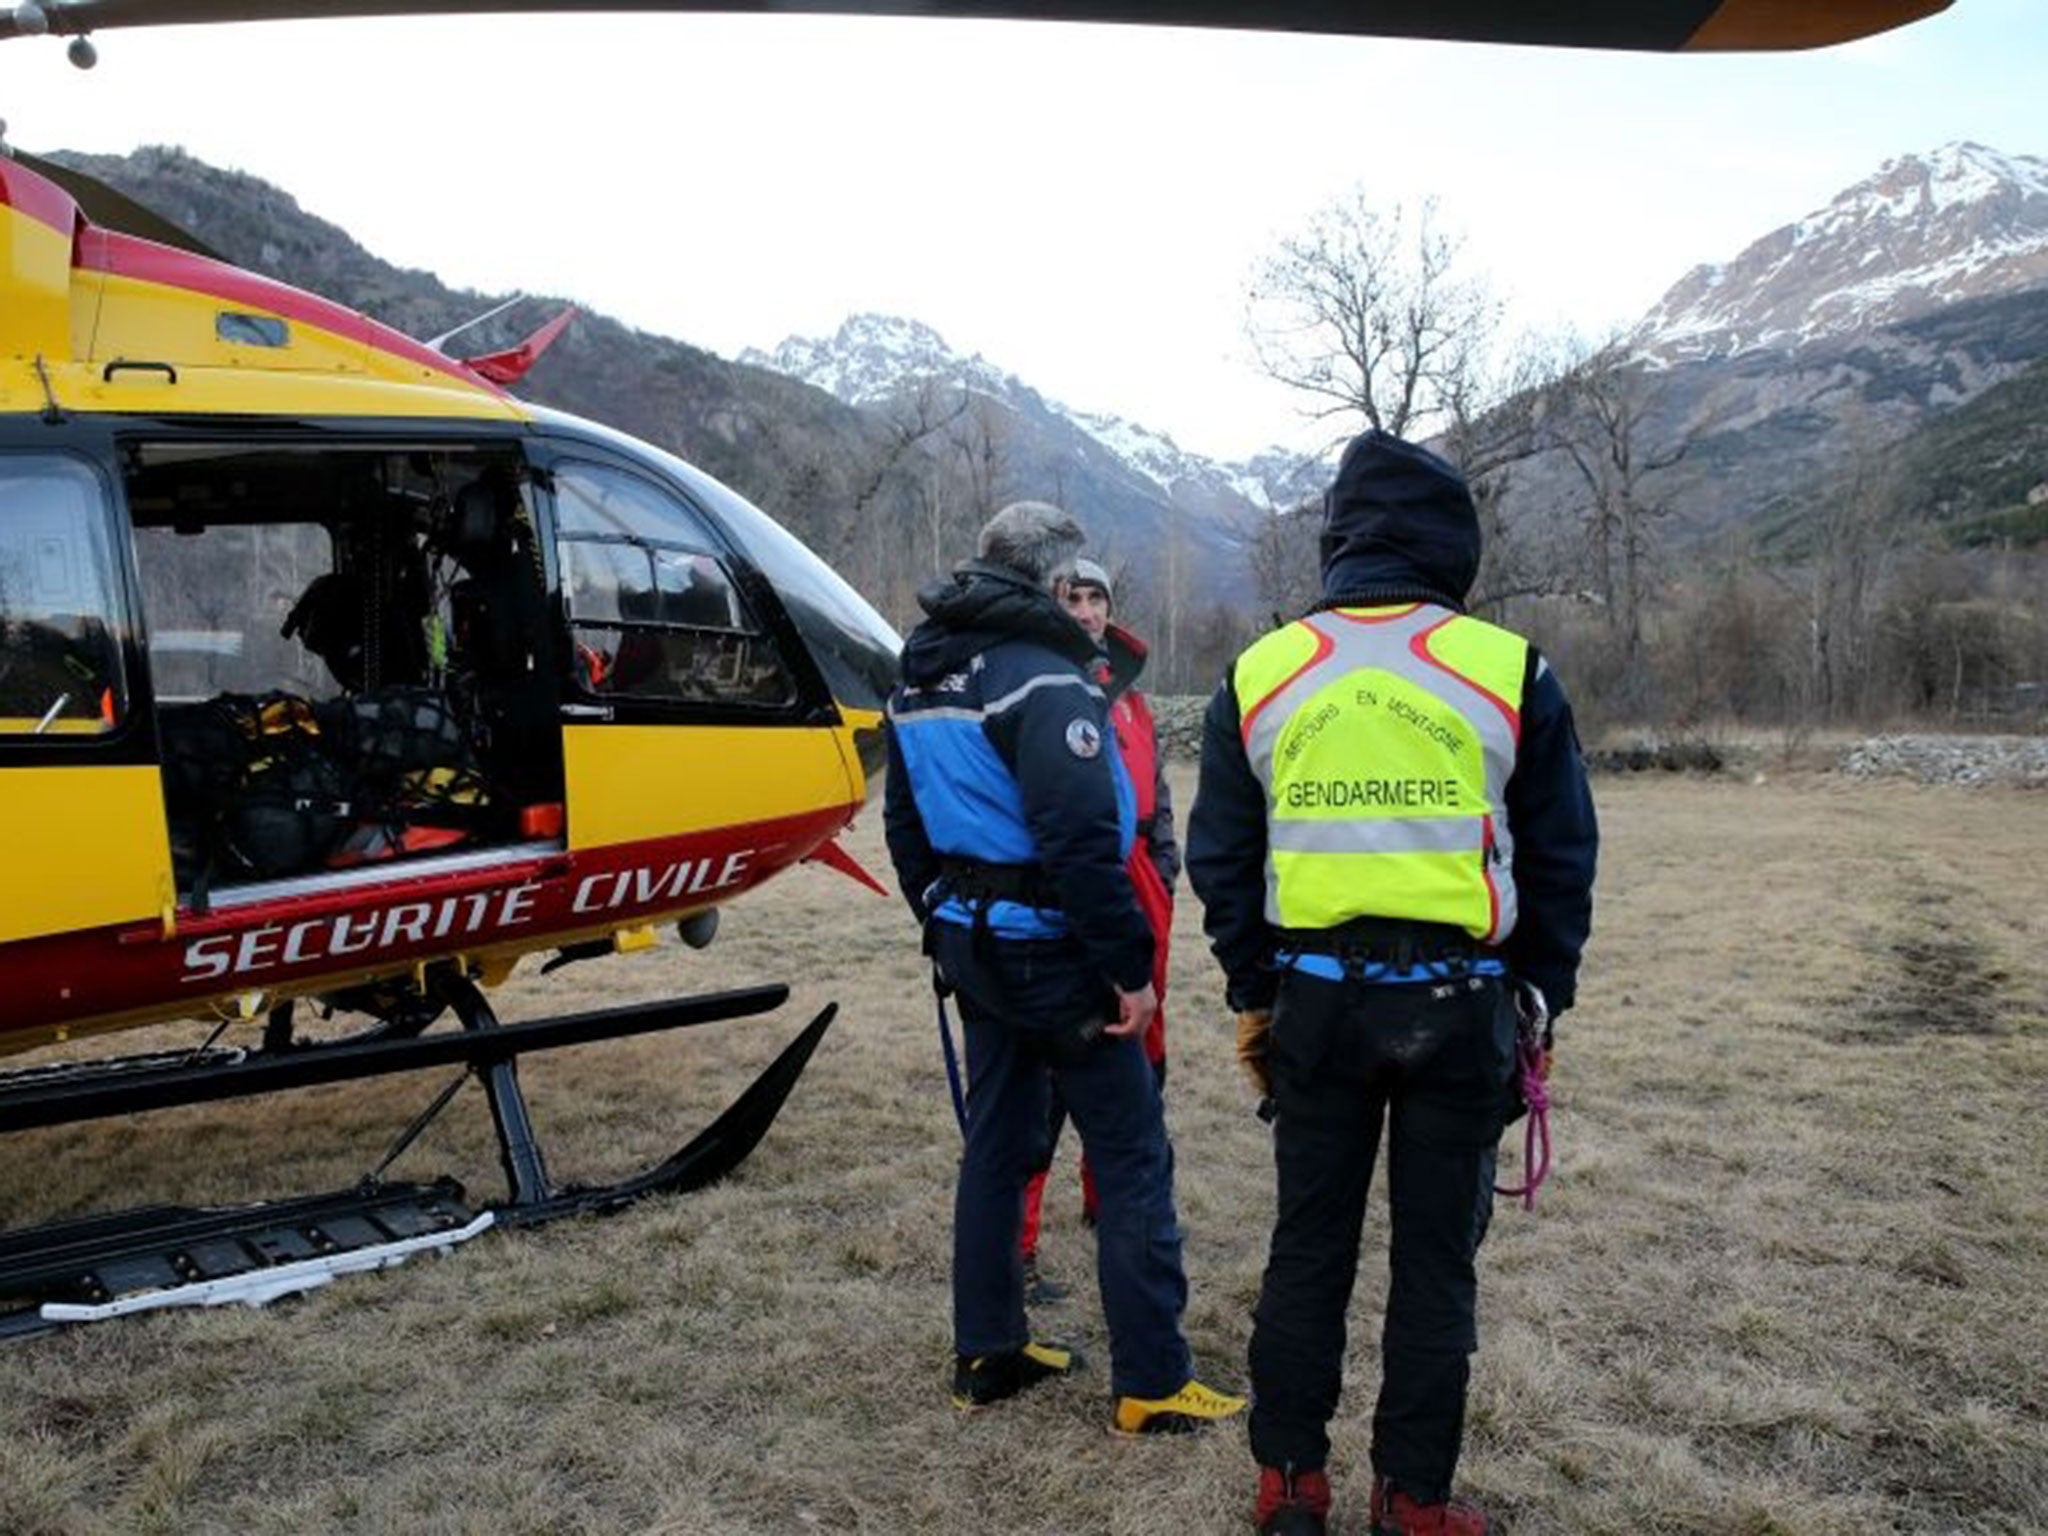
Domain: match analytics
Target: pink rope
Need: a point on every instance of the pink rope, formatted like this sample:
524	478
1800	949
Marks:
1530	1063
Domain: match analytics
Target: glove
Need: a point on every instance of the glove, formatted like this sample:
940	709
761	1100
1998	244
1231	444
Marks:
1253	1026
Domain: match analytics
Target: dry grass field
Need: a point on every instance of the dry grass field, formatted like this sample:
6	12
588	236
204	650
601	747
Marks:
1788	1280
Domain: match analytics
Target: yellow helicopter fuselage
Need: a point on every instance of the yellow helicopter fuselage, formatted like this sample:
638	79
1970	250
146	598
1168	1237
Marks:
646	698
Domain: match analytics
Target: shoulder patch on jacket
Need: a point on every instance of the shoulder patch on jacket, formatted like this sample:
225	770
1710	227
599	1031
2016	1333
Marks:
1083	739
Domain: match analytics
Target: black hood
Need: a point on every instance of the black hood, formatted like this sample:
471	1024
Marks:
979	605
1398	526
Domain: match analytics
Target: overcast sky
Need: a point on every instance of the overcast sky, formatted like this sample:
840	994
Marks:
1081	205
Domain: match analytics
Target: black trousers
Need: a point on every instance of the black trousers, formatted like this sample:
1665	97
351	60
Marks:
1433	1063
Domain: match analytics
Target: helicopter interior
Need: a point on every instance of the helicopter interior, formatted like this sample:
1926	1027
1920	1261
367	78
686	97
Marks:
349	653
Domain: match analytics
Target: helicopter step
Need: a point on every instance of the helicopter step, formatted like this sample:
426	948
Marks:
173	1256
110	1265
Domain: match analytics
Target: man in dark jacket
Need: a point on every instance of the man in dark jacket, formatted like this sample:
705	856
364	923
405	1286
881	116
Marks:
1153	866
1394	845
1010	818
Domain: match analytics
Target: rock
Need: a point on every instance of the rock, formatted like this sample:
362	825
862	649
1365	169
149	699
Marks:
1967	760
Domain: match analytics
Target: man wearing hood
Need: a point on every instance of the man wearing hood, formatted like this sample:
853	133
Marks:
1394	845
1009	817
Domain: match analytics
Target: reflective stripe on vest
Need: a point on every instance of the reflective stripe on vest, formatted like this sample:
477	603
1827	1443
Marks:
1384	739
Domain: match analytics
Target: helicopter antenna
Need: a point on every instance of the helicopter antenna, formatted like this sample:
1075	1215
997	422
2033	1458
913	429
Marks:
440	342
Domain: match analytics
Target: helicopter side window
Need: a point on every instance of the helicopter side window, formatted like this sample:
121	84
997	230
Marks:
60	608
653	608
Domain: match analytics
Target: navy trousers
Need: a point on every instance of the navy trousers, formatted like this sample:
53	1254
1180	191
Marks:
1032	1013
1433	1063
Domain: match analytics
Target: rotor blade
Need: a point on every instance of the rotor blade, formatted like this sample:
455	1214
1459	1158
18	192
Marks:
440	342
114	210
1655	25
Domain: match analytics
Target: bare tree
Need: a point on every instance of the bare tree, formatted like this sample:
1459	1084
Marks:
1599	417
979	447
913	418
1173	601
1281	548
1498	421
1368	313
1856	530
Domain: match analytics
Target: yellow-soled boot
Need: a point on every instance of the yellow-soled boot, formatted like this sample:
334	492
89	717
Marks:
1193	1407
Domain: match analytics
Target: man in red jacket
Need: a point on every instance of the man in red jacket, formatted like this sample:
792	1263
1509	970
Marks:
1154	863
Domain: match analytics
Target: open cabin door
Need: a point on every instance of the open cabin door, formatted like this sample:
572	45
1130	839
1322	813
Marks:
352	663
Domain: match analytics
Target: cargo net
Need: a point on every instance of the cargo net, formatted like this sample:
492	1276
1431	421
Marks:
265	787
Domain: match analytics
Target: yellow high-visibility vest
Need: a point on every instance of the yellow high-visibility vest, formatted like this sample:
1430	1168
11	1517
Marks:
1384	738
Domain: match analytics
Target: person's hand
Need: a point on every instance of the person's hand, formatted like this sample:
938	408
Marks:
1134	1011
1532	1011
1253	1027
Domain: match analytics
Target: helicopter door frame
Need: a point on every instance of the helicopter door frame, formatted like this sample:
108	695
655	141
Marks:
161	448
87	841
719	730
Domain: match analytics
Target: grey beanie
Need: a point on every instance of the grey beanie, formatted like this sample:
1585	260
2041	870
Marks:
1088	574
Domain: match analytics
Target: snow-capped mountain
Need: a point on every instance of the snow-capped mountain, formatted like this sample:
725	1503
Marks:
873	360
1830	340
1926	232
1135	489
1264	481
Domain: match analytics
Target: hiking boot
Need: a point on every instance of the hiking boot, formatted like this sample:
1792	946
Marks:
1038	1290
1292	1503
1394	1513
1193	1407
979	1380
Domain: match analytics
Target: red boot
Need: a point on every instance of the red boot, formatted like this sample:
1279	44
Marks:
1291	1503
1394	1513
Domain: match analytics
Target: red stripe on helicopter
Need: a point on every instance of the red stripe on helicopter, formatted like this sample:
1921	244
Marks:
38	199
343	938
105	250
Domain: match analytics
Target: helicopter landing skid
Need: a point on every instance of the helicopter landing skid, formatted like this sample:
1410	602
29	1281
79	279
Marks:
165	1256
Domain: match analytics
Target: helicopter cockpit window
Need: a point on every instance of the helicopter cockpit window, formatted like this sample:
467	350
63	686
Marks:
60	608
654	609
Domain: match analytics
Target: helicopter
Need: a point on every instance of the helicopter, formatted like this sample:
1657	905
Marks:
330	671
334	676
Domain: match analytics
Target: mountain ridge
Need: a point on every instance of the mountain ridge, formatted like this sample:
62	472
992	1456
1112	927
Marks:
1921	233
872	359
